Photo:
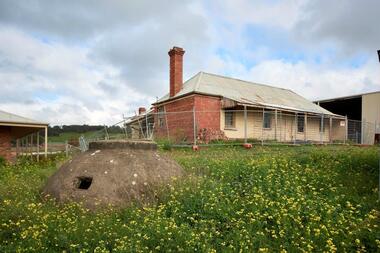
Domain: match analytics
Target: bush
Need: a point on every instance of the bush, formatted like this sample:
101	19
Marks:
167	145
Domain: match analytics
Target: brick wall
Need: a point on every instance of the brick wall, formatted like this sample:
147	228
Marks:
5	143
178	120
207	112
178	117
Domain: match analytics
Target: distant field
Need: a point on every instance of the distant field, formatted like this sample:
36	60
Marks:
93	134
68	136
267	199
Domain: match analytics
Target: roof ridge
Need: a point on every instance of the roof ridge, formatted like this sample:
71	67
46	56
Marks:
191	78
200	73
245	81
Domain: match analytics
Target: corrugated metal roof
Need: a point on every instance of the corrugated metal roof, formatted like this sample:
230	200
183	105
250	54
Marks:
346	97
247	93
6	117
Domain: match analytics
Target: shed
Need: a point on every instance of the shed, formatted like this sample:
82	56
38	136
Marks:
13	128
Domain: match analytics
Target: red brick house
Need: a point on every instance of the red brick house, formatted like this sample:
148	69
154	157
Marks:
238	109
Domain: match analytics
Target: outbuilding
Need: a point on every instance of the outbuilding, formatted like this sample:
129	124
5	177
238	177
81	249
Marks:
15	129
363	112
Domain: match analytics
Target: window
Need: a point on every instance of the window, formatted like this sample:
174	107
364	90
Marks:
161	117
322	124
267	120
229	119
300	123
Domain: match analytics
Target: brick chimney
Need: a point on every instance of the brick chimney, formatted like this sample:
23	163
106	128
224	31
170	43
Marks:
142	110
176	66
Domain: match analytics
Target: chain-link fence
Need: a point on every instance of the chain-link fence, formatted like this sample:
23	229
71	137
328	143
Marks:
259	126
238	127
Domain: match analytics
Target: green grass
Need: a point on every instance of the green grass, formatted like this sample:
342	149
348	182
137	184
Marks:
89	135
70	135
267	199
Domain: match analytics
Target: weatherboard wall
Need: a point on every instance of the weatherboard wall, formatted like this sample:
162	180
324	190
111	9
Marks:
286	128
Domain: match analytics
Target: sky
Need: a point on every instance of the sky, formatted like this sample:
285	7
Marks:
91	62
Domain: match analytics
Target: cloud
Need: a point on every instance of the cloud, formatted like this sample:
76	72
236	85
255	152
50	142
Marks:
268	13
61	83
69	62
80	62
76	20
349	24
310	80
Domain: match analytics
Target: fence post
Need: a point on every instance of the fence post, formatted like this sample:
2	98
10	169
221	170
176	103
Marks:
245	124
38	146
194	130
66	148
125	128
146	126
346	132
105	130
363	129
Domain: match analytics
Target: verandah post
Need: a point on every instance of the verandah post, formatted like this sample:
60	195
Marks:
305	130
46	141
17	147
31	147
330	130
262	129
38	146
295	128
322	129
275	126
245	124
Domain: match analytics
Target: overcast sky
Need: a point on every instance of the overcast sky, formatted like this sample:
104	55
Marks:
90	62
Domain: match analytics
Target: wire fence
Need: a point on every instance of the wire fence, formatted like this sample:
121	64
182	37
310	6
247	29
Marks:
33	146
228	127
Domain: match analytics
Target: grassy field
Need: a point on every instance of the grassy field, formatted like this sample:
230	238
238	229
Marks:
69	136
268	199
89	135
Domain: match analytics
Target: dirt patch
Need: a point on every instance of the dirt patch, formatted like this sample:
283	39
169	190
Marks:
114	176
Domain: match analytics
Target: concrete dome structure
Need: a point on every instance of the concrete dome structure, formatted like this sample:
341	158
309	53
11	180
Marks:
112	173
